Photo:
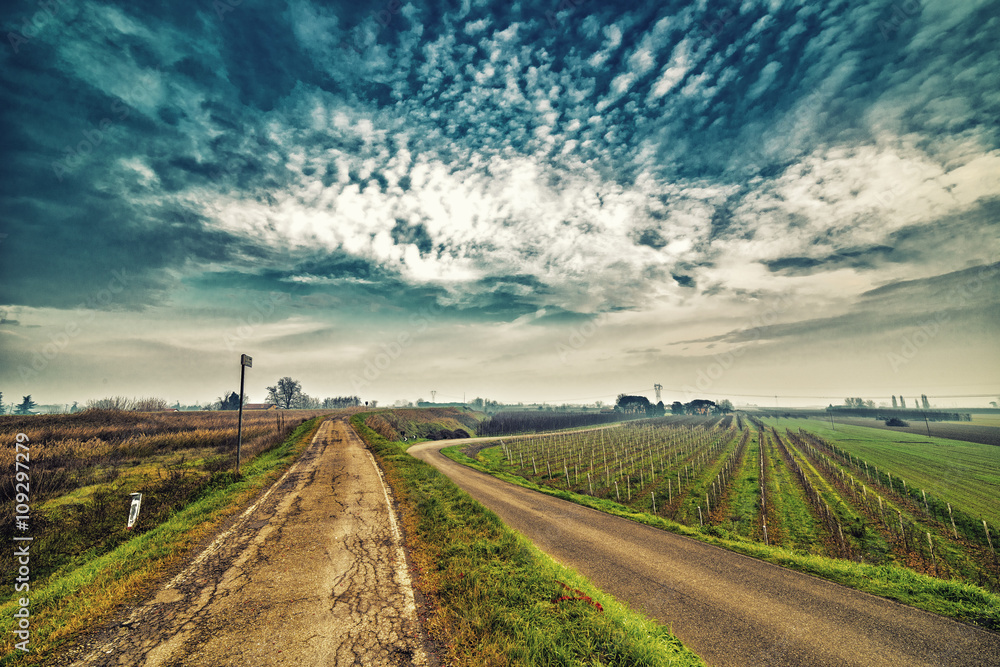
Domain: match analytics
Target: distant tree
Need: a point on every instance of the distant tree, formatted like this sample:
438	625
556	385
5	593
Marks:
925	402
306	402
677	408
341	402
699	406
1	403
149	404
902	402
870	404
26	406
725	406
894	405
110	403
374	403
657	410
632	404
285	394
230	402
75	408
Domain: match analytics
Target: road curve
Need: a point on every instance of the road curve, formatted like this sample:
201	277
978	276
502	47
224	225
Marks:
729	608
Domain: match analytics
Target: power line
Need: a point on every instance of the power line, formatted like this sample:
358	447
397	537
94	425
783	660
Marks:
640	391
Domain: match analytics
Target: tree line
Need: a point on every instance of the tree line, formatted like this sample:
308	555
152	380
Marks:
286	394
642	405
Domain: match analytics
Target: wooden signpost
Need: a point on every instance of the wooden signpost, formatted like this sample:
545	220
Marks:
245	361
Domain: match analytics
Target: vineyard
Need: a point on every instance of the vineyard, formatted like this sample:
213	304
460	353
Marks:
746	479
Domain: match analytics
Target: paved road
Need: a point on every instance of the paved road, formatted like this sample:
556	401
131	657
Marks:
729	608
312	574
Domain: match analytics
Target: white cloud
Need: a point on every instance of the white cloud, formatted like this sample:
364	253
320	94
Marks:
764	81
673	72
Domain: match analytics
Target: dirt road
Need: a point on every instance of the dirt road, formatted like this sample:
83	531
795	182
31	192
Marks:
312	574
730	609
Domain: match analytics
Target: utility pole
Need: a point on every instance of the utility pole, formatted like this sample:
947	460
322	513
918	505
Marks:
244	362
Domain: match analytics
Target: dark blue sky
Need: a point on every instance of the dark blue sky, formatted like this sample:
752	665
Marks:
525	201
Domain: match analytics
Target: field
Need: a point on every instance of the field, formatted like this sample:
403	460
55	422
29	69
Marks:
986	420
925	504
983	429
966	474
81	469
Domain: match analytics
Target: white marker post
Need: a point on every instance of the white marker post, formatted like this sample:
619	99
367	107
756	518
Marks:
245	361
133	511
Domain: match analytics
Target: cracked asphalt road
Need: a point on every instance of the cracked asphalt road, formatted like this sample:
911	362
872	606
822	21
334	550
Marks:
729	608
313	573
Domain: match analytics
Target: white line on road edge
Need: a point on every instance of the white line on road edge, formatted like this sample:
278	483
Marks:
409	604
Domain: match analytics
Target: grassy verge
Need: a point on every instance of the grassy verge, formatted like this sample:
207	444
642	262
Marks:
497	599
963	602
74	600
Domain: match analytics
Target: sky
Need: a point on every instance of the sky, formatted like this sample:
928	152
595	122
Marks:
774	202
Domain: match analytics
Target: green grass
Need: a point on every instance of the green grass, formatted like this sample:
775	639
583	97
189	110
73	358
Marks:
963	602
87	589
743	516
796	528
496	595
966	474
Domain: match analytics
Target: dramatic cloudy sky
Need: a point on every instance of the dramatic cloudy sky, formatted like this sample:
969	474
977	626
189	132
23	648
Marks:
529	201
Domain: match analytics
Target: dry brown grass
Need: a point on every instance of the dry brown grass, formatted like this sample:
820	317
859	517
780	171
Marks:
70	451
83	467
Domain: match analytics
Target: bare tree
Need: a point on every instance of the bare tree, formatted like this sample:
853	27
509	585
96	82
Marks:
306	402
150	404
110	403
286	394
144	404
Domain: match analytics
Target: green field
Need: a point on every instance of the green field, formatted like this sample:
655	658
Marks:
965	474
